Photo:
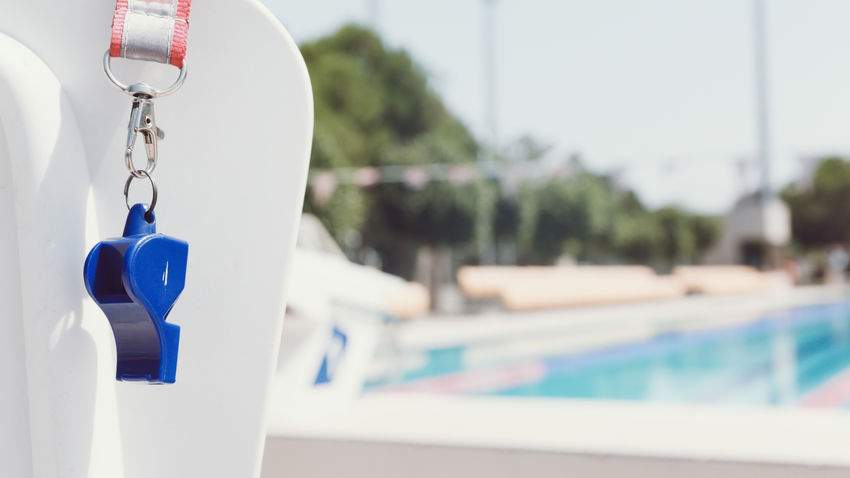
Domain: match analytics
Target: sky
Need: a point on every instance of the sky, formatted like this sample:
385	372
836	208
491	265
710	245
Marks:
660	92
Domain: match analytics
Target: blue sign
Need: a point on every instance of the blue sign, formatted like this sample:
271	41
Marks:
333	357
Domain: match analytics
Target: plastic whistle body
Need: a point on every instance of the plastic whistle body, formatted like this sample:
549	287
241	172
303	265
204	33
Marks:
135	280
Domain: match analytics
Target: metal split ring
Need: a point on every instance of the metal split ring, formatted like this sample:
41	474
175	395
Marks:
141	173
154	93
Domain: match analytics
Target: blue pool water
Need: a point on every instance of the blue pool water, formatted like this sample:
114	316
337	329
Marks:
800	356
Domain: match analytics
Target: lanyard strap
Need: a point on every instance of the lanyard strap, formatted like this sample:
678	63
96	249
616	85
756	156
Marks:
154	30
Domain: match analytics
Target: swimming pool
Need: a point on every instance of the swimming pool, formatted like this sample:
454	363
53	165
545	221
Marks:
797	357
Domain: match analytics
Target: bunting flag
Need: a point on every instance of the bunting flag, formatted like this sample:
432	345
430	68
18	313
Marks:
462	173
325	182
416	177
367	177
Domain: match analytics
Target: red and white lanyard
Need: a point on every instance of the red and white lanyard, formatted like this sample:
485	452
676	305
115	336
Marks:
151	30
154	30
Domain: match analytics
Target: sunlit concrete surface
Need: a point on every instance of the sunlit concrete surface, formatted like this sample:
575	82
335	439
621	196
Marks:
309	458
391	435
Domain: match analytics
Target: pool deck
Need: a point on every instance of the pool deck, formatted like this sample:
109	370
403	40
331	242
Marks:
698	440
382	433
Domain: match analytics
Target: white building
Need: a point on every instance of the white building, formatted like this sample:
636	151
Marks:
753	233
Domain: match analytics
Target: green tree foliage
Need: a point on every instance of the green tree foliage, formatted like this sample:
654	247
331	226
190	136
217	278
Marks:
515	210
574	216
819	212
345	210
584	216
374	108
678	241
706	231
636	233
440	213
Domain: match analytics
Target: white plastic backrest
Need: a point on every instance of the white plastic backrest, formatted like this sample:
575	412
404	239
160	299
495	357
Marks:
232	174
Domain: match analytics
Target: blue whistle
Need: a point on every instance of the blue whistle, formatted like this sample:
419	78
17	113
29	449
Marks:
135	280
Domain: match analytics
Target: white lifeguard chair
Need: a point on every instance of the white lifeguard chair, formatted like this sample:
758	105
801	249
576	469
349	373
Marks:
232	174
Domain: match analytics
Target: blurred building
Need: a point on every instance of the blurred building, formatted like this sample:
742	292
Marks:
754	232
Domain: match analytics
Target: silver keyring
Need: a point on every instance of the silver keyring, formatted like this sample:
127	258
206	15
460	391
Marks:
181	77
142	173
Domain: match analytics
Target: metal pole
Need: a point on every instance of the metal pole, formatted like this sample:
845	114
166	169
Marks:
760	38
490	98
487	245
373	14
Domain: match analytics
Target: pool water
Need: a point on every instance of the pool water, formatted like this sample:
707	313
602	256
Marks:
797	357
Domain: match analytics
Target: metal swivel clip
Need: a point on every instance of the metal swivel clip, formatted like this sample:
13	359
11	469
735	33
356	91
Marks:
142	122
142	119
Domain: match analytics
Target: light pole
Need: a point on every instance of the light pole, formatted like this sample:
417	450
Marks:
487	245
760	51
373	14
490	97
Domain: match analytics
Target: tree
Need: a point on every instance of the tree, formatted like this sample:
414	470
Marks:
684	237
819	212
586	217
374	108
345	210
575	216
678	242
706	232
516	208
